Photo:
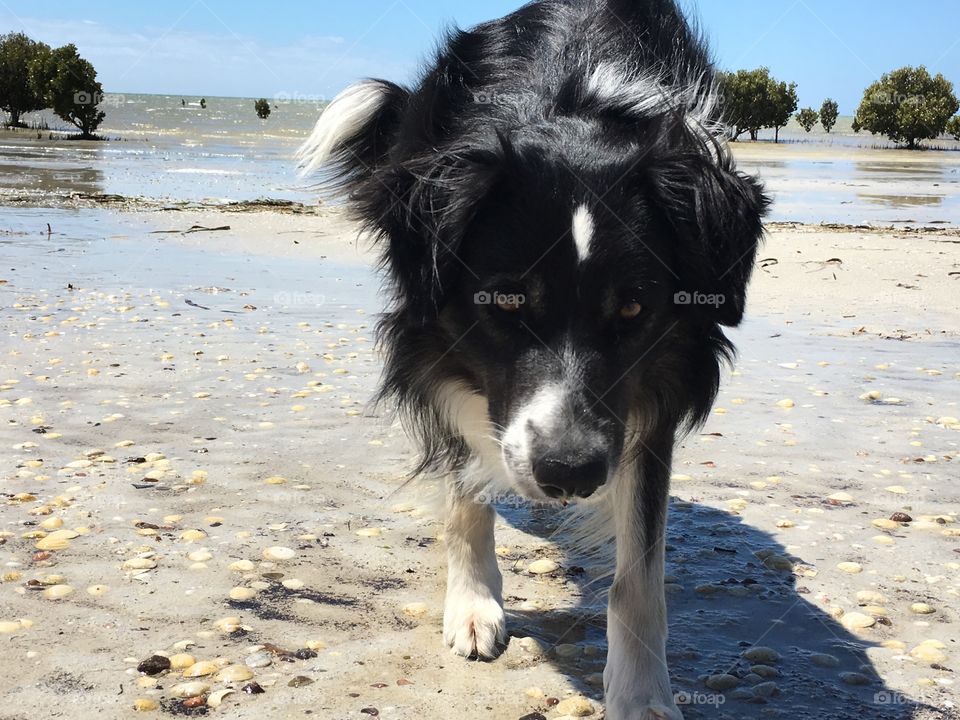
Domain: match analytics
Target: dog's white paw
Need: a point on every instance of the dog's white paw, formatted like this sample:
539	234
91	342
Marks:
646	697
474	626
642	710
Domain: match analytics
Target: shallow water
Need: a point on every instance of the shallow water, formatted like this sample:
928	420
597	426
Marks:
877	190
163	150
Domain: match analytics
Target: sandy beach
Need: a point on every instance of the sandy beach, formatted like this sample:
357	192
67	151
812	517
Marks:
192	470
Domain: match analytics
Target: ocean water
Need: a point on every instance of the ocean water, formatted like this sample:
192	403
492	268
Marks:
162	149
168	149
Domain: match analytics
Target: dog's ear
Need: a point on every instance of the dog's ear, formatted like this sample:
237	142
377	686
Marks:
427	205
354	134
715	214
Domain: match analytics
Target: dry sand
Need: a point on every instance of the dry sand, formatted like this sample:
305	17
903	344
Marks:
181	404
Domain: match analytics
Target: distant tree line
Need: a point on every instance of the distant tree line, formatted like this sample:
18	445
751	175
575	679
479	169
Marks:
906	105
34	76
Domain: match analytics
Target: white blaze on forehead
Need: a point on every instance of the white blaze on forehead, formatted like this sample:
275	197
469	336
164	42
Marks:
582	231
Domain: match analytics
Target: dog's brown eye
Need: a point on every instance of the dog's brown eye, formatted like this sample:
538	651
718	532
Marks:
509	303
631	310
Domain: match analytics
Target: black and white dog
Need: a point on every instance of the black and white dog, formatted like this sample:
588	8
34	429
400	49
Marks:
565	235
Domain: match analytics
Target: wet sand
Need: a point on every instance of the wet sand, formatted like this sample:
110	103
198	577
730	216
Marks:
176	407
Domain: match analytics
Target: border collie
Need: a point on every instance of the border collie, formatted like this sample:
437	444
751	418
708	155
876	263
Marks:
565	234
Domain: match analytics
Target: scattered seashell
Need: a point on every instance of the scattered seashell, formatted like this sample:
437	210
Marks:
857	621
930	652
57	592
825	660
850	567
854	678
279	553
761	654
576	706
181	661
228	624
567	650
841	497
543	566
722	682
189	689
415	609
216	698
234	674
200	669
870	597
259	659
139	563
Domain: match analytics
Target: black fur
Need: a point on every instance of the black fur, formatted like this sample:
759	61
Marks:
470	179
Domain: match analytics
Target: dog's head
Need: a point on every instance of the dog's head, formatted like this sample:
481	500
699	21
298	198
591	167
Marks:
574	276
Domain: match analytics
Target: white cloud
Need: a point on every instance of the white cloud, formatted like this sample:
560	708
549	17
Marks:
173	61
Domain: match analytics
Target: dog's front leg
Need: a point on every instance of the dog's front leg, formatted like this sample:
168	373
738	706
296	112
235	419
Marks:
474	624
636	680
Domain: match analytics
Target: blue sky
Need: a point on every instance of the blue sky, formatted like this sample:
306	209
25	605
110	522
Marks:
314	48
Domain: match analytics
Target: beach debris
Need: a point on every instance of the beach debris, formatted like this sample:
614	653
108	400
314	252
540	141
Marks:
190	230
154	665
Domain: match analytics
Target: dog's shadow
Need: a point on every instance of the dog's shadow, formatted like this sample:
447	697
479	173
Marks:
734	595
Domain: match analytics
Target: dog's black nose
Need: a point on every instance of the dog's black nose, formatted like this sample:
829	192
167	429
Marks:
571	477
